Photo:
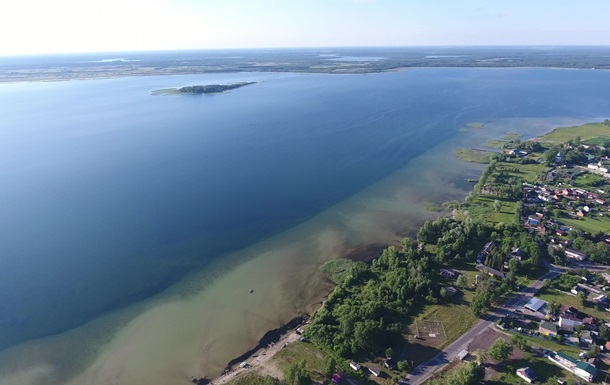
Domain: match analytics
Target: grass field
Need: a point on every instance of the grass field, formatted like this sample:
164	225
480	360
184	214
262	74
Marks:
528	172
482	207
296	352
457	319
591	225
565	299
590	131
590	181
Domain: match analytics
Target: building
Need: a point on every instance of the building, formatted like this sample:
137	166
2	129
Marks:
569	322
586	337
580	368
449	273
490	271
450	290
547	328
575	254
375	370
535	305
354	365
527	374
585	371
389	363
462	355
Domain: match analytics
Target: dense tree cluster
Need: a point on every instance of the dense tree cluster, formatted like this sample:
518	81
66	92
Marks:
362	314
454	239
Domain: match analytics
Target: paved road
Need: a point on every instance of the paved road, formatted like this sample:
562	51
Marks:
423	372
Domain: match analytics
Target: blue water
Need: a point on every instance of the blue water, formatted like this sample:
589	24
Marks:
109	194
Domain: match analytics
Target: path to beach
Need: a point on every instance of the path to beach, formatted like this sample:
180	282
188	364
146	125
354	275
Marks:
259	362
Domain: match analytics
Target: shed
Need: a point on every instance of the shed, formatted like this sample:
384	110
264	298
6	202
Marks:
535	304
462	355
375	370
527	374
354	365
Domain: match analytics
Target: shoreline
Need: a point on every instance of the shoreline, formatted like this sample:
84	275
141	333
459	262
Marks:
83	76
260	355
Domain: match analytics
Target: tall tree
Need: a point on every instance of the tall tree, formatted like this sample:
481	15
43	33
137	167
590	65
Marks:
500	350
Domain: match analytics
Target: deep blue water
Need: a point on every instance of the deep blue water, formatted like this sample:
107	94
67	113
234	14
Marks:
110	194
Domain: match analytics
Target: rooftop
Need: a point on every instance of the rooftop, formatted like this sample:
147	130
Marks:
535	304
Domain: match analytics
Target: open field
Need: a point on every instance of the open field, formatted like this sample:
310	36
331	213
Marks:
590	181
591	225
456	319
482	207
590	131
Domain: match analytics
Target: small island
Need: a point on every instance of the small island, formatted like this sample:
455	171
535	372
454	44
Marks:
198	90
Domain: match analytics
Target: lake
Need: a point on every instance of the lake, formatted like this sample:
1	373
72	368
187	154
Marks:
115	202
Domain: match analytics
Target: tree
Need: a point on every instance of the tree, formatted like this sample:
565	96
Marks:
497	205
331	364
500	350
582	298
403	365
554	307
469	374
389	352
461	281
481	356
520	342
296	374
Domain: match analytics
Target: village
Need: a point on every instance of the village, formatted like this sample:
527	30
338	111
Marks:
518	292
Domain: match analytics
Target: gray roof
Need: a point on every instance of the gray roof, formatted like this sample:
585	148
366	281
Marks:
535	304
548	326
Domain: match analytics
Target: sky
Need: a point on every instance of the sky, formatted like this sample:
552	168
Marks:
64	26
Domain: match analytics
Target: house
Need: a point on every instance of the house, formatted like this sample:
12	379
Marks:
490	271
575	254
527	374
375	370
449	273
354	365
517	253
577	289
535	305
606	276
450	290
569	322
547	328
586	337
389	363
585	371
